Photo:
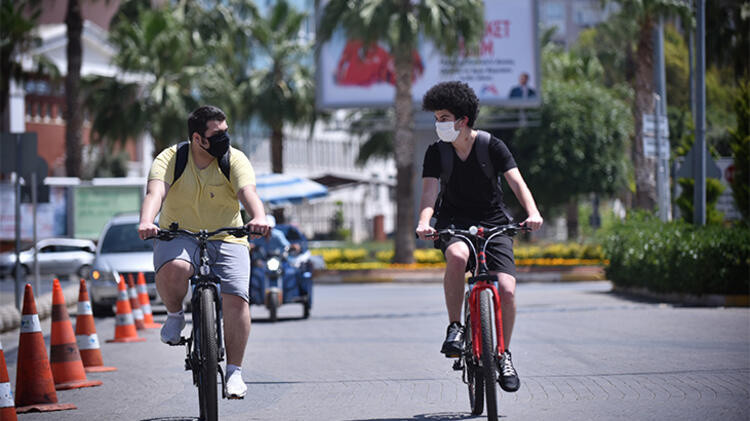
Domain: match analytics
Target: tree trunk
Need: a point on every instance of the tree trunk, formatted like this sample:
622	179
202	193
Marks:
404	149
277	164
73	116
571	217
643	85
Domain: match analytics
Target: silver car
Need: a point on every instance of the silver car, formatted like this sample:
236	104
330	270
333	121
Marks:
119	252
57	256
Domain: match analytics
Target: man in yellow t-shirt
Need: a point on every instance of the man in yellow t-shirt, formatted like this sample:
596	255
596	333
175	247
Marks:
203	198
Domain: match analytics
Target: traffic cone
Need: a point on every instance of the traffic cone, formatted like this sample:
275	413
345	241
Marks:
35	387
145	302
7	406
137	312
67	367
124	322
86	337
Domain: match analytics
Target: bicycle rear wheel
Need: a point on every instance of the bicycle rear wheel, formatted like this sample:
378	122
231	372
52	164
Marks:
489	353
474	378
208	356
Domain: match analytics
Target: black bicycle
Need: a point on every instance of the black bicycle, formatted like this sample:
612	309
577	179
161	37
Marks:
205	346
483	342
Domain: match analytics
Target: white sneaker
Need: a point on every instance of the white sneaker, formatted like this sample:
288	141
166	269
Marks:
171	332
236	387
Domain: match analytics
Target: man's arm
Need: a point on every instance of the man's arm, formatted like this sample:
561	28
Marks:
523	194
430	189
249	198
156	191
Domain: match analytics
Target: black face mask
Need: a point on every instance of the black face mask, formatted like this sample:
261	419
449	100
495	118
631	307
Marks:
218	144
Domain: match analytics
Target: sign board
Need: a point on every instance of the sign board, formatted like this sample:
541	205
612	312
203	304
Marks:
686	168
350	75
51	217
95	205
649	147
649	125
9	155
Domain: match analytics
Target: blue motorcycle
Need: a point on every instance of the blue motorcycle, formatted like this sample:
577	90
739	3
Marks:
281	276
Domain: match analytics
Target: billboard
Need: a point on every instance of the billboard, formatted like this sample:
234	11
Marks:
503	72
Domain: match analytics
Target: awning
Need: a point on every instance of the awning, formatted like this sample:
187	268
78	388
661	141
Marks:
279	189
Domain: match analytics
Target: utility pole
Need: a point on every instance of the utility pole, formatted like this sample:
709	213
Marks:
660	110
699	167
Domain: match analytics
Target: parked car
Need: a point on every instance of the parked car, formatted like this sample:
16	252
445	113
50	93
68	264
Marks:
57	256
119	252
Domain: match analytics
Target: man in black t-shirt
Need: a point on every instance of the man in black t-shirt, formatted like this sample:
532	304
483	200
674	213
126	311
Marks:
471	198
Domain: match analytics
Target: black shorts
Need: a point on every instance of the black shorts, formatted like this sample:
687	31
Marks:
499	251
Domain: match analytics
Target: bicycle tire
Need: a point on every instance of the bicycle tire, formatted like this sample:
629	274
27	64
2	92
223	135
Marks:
489	353
474	379
209	363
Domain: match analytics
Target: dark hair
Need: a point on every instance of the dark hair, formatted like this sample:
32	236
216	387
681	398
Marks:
199	118
456	97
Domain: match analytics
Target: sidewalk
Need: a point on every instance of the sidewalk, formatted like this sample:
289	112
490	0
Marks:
10	317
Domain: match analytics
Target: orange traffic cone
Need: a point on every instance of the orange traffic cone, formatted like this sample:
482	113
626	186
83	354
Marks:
145	302
86	337
137	312
67	367
7	407
35	388
124	323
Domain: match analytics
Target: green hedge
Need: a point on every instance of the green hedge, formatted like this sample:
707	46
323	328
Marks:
678	257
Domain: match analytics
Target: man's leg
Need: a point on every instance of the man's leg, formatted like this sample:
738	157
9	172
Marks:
236	327
172	285
456	255
507	292
508	376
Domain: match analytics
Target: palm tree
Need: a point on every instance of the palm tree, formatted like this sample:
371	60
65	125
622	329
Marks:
73	115
281	91
647	14
399	24
17	21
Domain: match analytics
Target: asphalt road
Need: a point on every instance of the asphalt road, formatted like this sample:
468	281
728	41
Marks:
370	352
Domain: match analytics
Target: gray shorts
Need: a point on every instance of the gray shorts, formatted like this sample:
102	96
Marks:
230	262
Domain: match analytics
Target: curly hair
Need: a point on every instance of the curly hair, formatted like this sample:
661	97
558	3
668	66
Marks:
199	118
456	97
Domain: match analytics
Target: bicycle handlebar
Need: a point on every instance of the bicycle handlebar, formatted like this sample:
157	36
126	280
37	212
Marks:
480	232
167	235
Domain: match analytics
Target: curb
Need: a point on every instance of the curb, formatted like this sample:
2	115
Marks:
10	317
708	300
435	275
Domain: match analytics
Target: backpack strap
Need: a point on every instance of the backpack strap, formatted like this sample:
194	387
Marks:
483	156
182	158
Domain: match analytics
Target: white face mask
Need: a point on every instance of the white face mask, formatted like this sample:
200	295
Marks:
445	131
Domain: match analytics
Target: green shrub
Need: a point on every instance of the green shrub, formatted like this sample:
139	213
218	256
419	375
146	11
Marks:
678	257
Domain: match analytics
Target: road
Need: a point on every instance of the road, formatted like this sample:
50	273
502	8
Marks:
370	352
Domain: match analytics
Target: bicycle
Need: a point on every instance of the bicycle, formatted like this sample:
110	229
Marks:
205	345
479	361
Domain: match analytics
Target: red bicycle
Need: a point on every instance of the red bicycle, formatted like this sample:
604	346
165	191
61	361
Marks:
483	339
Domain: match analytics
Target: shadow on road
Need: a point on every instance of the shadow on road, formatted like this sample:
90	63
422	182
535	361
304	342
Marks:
172	419
440	416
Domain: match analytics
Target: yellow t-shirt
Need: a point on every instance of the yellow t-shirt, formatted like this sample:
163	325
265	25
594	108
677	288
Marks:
203	198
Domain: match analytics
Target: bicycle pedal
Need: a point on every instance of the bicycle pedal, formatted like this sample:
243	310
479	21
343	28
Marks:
452	356
235	398
457	365
182	341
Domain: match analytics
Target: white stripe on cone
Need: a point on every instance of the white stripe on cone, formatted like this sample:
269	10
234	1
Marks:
141	289
122	295
138	314
30	323
84	307
146	308
6	396
87	341
124	319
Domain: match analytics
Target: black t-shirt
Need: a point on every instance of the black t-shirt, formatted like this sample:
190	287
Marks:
470	195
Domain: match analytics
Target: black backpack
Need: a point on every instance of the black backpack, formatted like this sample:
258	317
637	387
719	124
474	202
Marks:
483	157
182	158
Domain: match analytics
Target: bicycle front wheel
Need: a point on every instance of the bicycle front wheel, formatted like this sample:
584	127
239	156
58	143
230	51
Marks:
489	353
208	356
474	378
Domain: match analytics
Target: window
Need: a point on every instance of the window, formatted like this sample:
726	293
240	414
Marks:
124	239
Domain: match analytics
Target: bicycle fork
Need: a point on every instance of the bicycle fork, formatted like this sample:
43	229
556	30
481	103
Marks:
476	333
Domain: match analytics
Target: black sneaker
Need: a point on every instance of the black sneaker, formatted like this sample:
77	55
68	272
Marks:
454	341
508	377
